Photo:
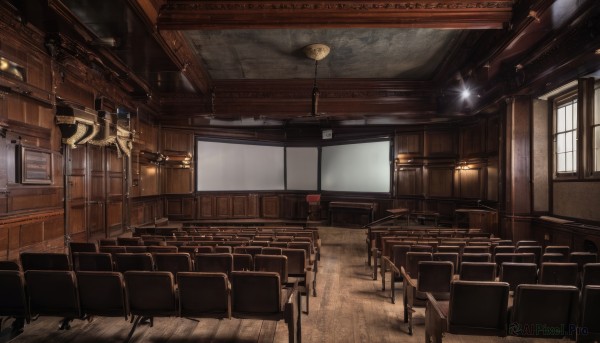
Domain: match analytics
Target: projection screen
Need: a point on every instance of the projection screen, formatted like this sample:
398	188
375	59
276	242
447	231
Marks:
302	168
358	167
224	166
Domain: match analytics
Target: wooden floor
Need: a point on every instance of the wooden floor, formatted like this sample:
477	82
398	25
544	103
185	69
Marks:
349	307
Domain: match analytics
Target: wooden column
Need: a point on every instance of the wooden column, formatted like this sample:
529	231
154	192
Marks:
517	219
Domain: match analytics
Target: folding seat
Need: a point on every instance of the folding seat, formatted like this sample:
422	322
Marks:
93	261
284	238
257	243
149	295
205	295
590	314
129	241
473	249
558	249
13	303
249	249
504	249
447	256
433	277
163	249
527	243
107	241
173	262
102	293
591	274
214	263
243	262
559	274
411	270
221	249
112	249
194	249
258	295
154	242
135	249
271	251
479	257
554	257
81	247
131	261
478	271
53	293
535	249
272	263
518	273
475	308
44	261
299	272
449	248
395	262
10	265
582	258
504	242
544	306
421	248
311	259
278	244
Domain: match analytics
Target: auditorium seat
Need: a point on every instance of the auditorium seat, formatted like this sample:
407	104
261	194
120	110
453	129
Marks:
242	262
449	248
554	257
558	249
163	249
473	249
53	293
258	295
112	249
133	261
514	257
535	249
298	272
93	261
81	247
173	262
477	271
393	262
518	273
421	248
476	257
107	241
271	251
499	249
591	275
433	277
129	241
545	306
448	256
559	274
10	265
583	258
102	293
44	261
136	249
214	263
590	314
474	308
13	302
272	263
205	295
150	294
222	249
527	243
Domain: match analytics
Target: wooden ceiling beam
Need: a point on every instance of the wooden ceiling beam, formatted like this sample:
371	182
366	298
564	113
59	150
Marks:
269	14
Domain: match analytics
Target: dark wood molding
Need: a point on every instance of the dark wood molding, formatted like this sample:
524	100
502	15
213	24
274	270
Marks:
233	14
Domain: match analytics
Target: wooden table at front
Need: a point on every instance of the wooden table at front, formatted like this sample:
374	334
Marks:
361	207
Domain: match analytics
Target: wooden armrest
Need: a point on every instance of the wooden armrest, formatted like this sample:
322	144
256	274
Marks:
391	265
409	281
435	306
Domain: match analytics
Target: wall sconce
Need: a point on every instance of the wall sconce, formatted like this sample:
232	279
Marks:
462	165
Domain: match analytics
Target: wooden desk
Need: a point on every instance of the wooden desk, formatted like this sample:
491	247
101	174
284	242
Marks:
354	208
425	215
483	219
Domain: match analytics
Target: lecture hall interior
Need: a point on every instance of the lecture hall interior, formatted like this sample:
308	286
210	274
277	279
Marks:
299	171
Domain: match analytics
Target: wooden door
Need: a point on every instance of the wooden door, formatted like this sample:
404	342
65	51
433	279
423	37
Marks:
77	193
114	191
96	193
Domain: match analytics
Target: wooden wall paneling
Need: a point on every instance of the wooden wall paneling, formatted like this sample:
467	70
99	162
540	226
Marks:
493	178
409	144
409	180
148	136
223	206
77	197
135	188
440	181
440	143
472	140
114	191
97	192
148	180
253	208
206	206
34	231
271	206
470	182
239	206
177	180
177	141
34	198
180	208
493	134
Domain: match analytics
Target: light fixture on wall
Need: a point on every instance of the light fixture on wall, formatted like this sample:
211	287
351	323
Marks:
316	52
462	165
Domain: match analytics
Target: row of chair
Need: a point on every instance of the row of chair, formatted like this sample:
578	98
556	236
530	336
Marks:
148	294
540	311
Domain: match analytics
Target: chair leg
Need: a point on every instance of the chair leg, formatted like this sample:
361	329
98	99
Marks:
393	287
136	321
17	326
65	323
375	267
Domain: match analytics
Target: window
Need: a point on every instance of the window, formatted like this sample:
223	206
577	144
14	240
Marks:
596	129
565	136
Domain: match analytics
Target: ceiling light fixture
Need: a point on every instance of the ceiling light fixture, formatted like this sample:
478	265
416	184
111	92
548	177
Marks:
316	52
466	93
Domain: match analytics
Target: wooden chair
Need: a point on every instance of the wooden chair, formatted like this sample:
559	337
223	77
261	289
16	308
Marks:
214	263
102	293
559	274
433	277
173	262
133	261
205	295
53	293
534	249
10	265
447	256
129	241
299	272
44	261
93	261
272	263
590	314
150	294
554	257
591	275
478	271
518	273
258	295
543	306
81	247
13	302
475	308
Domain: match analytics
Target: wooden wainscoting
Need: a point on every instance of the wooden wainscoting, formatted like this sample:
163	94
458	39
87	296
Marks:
37	231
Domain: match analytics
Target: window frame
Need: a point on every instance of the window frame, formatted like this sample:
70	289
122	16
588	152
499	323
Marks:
592	125
557	102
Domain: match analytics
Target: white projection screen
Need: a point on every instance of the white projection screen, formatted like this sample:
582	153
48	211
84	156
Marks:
302	168
224	166
358	167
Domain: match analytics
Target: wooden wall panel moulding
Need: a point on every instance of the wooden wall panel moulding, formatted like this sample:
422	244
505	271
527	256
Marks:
188	15
16	219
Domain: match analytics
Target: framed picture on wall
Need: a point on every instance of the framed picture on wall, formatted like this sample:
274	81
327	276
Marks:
34	166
